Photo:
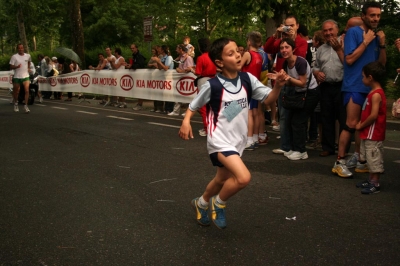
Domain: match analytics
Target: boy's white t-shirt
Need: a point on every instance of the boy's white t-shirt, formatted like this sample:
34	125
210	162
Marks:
23	71
222	134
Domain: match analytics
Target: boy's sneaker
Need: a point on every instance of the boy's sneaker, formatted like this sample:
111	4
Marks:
352	161
263	141
250	147
363	184
371	189
27	109
341	169
16	109
362	168
202	132
298	156
218	214
201	214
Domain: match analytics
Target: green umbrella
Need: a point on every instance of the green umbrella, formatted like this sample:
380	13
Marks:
68	53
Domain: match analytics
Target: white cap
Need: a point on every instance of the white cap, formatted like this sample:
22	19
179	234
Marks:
54	58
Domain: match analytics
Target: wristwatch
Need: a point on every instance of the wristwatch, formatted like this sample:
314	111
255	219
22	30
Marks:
382	46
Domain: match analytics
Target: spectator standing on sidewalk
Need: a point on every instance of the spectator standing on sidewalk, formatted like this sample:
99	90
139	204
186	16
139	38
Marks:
272	46
372	127
138	62
328	70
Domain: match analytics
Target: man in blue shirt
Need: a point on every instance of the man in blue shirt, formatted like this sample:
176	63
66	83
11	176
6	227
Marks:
362	45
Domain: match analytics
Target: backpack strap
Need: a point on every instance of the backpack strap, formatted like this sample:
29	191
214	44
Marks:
245	80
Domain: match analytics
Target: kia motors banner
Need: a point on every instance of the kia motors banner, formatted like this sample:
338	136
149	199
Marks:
6	79
150	84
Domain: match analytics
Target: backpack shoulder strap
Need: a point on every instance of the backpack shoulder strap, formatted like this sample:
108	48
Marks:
246	83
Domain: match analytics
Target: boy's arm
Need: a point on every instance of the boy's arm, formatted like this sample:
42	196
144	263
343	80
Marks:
280	80
376	103
245	59
185	132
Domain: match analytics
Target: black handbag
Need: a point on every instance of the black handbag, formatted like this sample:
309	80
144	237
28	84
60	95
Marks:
296	100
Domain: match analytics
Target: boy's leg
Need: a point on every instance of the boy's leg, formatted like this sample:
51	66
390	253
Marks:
374	156
234	178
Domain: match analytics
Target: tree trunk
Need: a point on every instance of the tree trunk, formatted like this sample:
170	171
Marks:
78	44
34	43
21	29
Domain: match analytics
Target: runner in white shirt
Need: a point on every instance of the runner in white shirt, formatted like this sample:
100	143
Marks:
20	63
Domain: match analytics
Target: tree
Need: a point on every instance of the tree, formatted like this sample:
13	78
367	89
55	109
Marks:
78	44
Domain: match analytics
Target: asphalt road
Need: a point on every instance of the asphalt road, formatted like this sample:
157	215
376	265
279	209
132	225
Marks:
81	184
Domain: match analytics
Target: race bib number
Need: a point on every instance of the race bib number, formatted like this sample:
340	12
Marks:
232	110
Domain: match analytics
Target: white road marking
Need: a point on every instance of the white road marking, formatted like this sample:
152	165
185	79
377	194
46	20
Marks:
5	99
163	125
89	113
61	108
391	148
121	118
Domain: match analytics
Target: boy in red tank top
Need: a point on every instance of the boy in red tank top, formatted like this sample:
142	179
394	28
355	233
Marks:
372	127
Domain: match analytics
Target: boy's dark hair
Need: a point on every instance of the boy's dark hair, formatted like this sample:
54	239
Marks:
255	39
118	50
217	47
204	45
376	70
302	30
289	41
370	4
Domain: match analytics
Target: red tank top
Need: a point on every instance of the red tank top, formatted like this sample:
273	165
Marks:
375	131
254	67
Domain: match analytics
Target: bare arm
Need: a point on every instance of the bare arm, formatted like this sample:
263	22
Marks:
368	37
245	59
376	103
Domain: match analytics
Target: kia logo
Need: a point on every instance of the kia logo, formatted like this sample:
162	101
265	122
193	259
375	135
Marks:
185	86
85	80
126	82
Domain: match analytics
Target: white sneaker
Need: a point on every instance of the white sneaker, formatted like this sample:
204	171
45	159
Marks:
16	109
41	99
297	156
173	114
183	114
276	128
122	105
278	151
27	111
202	132
287	153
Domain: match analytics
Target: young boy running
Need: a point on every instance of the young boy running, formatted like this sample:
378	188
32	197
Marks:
226	97
372	127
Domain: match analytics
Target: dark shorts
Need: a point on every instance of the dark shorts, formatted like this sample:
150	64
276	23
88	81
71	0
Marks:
358	97
214	157
253	104
19	81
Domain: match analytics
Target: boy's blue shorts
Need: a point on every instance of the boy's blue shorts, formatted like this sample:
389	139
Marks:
358	97
214	157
